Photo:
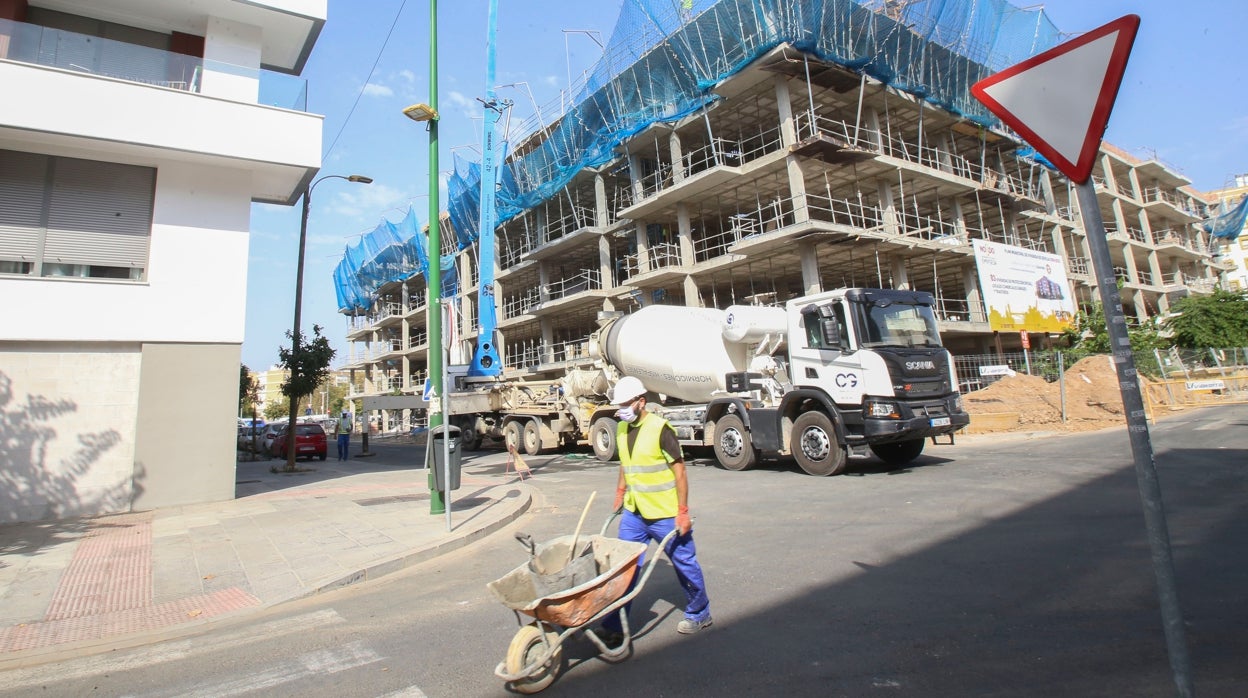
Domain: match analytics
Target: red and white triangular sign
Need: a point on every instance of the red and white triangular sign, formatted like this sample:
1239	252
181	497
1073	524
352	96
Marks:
1059	101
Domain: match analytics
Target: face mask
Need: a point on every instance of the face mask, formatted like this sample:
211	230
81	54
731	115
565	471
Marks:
627	414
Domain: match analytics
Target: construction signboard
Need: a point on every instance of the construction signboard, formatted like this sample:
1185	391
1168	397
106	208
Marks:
1023	289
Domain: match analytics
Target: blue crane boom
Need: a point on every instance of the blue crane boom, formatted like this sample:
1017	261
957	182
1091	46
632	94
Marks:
485	361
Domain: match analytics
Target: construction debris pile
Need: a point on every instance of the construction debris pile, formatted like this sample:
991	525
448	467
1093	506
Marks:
1093	400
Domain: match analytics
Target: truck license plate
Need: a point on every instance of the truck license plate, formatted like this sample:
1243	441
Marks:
940	421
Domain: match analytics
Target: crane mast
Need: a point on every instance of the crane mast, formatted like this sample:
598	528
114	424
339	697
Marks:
485	361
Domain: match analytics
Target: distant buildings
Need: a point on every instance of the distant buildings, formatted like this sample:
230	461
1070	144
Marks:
1233	251
134	137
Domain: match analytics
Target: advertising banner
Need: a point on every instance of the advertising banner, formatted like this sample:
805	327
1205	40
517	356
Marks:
1023	289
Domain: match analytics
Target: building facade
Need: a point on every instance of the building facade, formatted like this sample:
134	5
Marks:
1234	252
134	137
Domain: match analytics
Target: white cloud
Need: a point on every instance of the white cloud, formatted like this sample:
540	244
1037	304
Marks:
363	200
374	90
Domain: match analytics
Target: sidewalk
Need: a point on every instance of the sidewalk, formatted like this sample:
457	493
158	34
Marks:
86	582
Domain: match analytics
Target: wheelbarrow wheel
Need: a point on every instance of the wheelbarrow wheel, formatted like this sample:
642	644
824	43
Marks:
525	648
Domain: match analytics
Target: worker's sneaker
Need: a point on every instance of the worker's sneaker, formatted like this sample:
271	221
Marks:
612	639
689	627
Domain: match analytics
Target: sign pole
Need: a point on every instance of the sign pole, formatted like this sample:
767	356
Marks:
1141	444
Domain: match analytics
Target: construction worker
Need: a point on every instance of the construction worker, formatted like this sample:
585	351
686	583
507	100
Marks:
654	494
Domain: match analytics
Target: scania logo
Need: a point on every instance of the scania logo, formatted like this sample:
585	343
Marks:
918	365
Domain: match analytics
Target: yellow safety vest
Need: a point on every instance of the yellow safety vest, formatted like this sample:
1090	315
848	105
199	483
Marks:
651	482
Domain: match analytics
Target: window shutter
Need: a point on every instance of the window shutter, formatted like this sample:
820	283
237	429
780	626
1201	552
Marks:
22	181
101	214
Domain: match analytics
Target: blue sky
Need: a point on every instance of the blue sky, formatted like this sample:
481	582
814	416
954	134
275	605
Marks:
1182	101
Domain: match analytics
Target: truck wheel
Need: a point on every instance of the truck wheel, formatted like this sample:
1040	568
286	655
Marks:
469	437
733	449
814	445
899	452
602	438
512	437
532	438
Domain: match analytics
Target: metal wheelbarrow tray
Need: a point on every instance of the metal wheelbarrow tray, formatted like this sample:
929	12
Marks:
534	657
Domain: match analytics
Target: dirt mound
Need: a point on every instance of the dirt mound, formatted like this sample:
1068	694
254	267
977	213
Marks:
1093	400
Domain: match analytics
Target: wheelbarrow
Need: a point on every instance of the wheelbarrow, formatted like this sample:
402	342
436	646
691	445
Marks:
535	655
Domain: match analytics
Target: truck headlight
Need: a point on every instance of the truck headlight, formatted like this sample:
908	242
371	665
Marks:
881	409
957	404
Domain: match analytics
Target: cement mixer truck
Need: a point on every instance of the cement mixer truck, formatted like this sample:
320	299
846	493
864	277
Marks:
827	376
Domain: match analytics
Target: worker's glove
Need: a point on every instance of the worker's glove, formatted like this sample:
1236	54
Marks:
619	499
683	523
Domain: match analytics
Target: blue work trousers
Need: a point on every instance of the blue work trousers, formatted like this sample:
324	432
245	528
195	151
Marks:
344	446
684	556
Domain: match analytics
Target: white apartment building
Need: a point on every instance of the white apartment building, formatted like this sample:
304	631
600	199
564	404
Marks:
134	136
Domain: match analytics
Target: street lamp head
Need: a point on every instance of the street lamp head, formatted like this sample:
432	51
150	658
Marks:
421	112
360	178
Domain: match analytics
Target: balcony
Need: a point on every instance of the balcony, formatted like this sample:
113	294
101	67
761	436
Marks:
127	99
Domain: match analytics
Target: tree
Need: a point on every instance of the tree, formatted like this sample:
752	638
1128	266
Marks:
277	408
248	391
310	368
1090	335
1218	320
307	368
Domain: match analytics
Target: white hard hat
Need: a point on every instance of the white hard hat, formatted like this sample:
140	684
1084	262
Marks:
627	390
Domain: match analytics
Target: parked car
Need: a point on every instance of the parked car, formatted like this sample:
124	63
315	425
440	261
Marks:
267	436
245	437
309	441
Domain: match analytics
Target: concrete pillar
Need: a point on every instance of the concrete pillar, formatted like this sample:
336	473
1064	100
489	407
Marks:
897	267
693	295
643	248
602	210
959	221
1059	244
1154	267
543	234
543	282
1129	258
684	232
678	157
784	104
810	268
888	209
974	299
634	176
548	341
604	264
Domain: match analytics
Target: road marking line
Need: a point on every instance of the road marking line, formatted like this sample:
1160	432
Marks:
310	665
116	662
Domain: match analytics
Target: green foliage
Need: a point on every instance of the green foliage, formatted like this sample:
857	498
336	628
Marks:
1216	320
310	368
248	391
277	408
1090	335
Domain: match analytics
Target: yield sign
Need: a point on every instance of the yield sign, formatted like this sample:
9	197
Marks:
1059	101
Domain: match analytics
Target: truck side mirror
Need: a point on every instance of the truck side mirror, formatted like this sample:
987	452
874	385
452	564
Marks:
831	333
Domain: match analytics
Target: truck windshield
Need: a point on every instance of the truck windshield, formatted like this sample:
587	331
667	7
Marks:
893	324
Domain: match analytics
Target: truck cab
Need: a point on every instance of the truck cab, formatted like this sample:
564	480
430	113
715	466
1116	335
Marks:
862	370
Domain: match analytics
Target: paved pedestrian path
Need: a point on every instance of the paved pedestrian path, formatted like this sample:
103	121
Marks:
82	582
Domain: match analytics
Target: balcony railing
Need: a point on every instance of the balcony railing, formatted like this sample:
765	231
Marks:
666	254
515	306
57	48
586	280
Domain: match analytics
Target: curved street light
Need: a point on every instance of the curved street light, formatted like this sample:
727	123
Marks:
291	442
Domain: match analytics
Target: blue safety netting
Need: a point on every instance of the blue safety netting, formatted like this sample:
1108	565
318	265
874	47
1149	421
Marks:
664	58
390	252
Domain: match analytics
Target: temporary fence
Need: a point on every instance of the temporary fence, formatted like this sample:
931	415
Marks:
1171	379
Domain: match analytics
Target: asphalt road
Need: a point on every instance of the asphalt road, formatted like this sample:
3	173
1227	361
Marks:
998	567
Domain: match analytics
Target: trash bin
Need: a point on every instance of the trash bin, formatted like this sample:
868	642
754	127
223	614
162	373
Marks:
437	435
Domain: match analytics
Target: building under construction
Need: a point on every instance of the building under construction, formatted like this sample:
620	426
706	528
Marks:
739	152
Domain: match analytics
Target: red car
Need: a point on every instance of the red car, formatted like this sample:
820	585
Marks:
309	441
